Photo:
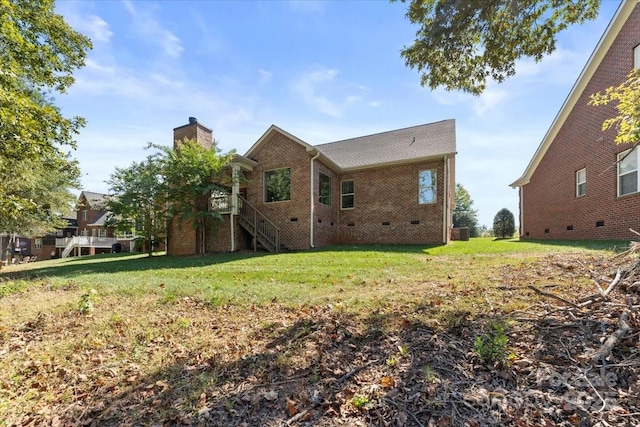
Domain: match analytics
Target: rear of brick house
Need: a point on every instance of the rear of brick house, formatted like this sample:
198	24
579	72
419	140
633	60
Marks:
395	187
580	184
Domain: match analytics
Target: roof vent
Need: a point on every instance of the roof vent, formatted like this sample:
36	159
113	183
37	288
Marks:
193	120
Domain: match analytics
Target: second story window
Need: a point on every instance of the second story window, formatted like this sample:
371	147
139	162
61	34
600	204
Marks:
84	215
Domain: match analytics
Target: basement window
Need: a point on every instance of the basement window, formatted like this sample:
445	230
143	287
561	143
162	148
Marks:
569	227
599	223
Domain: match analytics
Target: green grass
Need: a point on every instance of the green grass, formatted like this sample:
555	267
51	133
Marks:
335	274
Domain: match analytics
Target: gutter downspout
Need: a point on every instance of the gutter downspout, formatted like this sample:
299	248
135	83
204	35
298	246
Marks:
312	201
521	191
445	206
235	189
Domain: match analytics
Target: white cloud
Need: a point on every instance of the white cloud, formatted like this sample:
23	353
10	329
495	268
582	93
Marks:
265	77
310	84
154	32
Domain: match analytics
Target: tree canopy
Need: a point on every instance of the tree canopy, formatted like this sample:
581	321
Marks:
136	201
504	223
39	52
192	174
459	45
463	213
627	98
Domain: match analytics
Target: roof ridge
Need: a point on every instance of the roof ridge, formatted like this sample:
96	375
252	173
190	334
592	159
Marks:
385	132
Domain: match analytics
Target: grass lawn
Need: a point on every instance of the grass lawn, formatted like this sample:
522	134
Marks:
78	334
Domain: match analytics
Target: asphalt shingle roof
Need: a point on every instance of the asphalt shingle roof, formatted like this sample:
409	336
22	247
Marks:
396	146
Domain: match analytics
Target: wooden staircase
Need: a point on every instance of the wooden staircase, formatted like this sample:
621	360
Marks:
261	229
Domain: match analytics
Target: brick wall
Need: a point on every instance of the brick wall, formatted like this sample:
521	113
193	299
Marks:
292	217
386	207
182	239
549	203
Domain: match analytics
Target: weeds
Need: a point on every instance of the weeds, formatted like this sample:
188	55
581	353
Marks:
492	347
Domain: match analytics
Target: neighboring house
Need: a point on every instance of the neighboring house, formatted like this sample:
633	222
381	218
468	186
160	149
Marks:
394	187
580	184
44	247
86	232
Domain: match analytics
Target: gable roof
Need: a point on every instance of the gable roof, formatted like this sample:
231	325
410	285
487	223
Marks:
606	41
392	147
93	198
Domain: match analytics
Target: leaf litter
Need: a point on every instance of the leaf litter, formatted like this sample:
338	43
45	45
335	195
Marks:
574	358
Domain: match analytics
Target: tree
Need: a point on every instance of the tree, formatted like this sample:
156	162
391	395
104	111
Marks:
137	202
504	224
192	174
39	52
627	96
463	214
461	44
39	189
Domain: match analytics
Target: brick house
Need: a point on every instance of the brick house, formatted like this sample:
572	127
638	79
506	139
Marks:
394	187
579	183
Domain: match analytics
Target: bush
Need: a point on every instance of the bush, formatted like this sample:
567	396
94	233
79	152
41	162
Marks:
504	224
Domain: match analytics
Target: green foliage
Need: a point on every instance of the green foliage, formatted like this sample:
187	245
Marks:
492	347
38	52
192	173
504	224
34	194
360	401
627	98
85	305
463	213
137	200
461	44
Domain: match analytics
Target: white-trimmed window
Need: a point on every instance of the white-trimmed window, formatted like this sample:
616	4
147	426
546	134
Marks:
38	243
427	187
84	215
347	194
636	57
102	233
324	189
277	185
628	172
581	182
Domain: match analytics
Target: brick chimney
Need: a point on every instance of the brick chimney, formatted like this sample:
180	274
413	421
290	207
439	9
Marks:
193	130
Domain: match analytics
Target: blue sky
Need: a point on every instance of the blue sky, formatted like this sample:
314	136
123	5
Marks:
321	70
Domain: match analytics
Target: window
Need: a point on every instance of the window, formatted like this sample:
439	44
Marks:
325	190
581	182
347	193
636	57
102	233
38	243
427	187
277	185
84	215
628	172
